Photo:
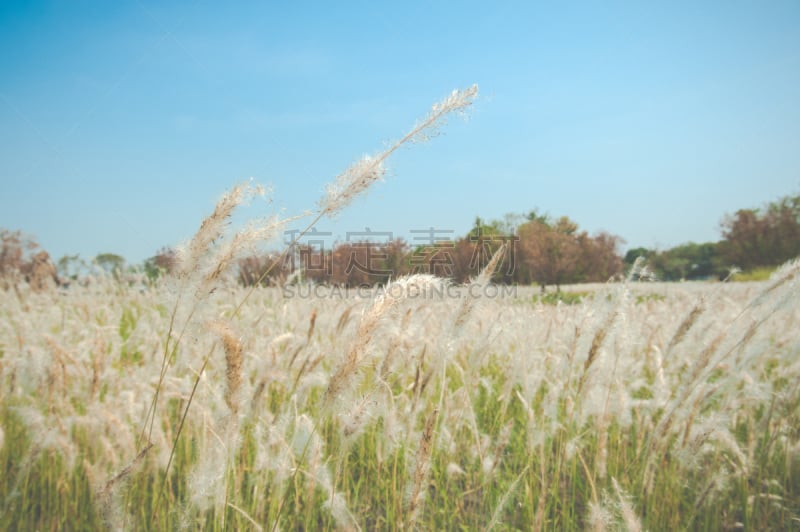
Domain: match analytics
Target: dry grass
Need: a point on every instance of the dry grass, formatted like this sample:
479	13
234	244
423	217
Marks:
526	400
198	404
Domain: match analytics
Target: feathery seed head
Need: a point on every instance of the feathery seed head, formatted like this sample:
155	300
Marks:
352	182
233	363
629	516
600	517
356	179
214	225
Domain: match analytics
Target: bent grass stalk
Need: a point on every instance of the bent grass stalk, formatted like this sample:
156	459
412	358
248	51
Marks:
357	178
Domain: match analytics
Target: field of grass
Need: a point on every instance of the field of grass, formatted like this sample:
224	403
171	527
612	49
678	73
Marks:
418	409
194	403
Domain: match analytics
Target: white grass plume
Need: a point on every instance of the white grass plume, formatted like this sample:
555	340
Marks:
482	280
358	177
421	471
626	509
403	288
213	227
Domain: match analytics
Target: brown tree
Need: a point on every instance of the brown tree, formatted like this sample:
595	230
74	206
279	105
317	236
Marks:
599	257
14	249
40	272
357	263
468	256
550	252
268	269
762	237
464	264
163	262
21	259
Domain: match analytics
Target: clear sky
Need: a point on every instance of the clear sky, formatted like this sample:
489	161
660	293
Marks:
121	123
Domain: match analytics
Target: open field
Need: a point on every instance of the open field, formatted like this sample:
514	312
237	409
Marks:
643	406
194	403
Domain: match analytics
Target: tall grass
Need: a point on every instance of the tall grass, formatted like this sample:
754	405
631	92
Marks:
671	412
199	404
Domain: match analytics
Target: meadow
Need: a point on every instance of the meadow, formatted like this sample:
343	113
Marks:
643	406
197	403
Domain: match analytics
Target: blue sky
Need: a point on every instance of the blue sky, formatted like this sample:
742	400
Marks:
121	123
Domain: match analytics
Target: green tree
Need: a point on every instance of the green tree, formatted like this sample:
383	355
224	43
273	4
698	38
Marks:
482	229
473	253
632	254
535	216
687	262
70	267
111	263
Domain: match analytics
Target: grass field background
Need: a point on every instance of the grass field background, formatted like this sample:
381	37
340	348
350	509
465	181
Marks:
634	406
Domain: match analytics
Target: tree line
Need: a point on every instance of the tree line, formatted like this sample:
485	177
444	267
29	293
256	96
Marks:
752	239
543	250
536	249
539	250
